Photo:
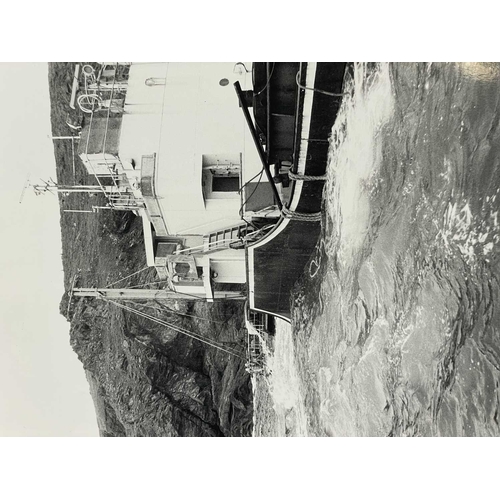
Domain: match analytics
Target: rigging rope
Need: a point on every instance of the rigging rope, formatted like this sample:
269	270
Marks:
212	343
289	214
129	276
303	177
150	283
161	307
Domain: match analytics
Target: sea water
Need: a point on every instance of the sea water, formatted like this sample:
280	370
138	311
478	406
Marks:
397	328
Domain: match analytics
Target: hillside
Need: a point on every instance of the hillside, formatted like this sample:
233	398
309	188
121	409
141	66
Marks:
145	379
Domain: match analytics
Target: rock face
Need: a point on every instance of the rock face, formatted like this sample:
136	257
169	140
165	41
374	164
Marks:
145	379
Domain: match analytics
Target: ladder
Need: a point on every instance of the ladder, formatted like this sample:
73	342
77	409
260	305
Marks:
222	238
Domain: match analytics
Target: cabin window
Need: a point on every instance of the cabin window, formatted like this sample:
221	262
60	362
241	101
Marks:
182	269
221	176
225	184
165	248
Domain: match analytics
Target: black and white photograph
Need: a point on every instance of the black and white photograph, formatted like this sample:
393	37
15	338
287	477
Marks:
220	247
266	248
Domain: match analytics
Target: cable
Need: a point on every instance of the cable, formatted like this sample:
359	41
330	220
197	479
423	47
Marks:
194	297
189	315
161	307
248	182
257	124
297	77
255	189
212	343
313	217
242	64
150	283
267	83
130	275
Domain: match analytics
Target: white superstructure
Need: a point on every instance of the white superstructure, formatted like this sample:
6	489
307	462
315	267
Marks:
172	142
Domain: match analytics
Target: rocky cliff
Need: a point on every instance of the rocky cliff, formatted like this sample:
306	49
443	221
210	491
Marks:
145	379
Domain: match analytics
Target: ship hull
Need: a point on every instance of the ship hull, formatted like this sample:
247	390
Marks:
275	263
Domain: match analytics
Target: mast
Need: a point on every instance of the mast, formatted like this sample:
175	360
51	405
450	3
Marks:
150	294
39	188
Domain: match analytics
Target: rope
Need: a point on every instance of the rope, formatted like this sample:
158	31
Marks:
150	283
289	214
212	343
162	308
130	275
299	177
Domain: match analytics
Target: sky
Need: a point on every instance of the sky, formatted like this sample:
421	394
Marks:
43	389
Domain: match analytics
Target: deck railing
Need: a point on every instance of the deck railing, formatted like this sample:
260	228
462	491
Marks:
104	99
255	339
